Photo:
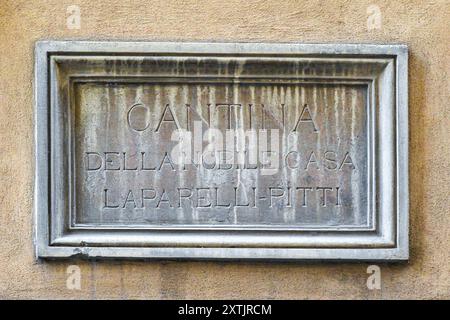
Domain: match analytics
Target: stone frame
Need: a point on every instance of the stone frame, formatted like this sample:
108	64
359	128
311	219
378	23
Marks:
55	237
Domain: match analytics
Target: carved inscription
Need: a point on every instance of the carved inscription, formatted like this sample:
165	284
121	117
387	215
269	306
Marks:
221	154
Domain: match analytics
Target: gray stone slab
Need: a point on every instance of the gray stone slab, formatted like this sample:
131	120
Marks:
221	151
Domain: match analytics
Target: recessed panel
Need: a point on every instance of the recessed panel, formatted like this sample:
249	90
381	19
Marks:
221	154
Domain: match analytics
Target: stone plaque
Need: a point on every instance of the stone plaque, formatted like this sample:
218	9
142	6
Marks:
221	151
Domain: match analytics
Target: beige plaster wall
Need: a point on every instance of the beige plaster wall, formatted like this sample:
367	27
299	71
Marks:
423	25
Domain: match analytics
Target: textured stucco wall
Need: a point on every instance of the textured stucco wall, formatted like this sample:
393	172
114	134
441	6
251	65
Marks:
423	25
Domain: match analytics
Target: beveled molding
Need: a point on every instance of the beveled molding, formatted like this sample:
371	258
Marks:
381	69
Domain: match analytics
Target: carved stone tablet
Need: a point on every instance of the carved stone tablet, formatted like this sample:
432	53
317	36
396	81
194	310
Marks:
221	151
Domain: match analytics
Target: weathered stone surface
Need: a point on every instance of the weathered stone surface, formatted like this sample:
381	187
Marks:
221	151
315	173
